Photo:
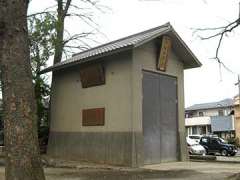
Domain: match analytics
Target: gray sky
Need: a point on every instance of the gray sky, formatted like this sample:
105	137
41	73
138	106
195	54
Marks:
131	16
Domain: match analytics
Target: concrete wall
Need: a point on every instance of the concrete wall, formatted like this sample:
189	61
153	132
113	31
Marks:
110	143
144	58
237	117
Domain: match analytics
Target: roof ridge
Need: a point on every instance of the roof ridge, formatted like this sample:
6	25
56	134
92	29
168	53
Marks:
215	101
123	38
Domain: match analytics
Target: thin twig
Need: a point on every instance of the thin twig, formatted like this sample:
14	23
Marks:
221	31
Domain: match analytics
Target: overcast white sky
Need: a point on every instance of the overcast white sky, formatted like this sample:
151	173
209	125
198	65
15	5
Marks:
131	16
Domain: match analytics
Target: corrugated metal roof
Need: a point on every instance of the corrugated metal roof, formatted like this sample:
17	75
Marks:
223	103
123	43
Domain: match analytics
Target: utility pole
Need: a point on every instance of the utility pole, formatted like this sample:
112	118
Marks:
238	84
239	12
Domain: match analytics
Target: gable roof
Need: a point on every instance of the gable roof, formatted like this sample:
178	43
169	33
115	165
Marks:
212	105
129	42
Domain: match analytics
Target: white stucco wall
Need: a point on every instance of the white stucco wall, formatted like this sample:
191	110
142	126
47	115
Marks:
196	121
69	98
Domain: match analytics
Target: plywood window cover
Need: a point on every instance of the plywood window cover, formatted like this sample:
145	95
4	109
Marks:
92	75
165	49
93	117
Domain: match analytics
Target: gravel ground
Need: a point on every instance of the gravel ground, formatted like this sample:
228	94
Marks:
179	171
229	158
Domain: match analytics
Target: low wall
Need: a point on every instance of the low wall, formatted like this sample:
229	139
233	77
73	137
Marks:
100	147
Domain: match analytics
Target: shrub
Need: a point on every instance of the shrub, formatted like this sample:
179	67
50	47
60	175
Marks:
234	141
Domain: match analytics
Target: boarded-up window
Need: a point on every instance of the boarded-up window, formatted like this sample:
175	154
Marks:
92	75
164	53
93	117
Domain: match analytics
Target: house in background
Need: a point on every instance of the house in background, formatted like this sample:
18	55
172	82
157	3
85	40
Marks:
208	118
237	115
122	102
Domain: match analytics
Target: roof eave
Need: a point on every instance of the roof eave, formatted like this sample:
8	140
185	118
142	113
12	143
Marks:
85	60
197	109
191	61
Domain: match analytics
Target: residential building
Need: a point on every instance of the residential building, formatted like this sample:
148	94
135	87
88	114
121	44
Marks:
237	115
122	102
208	118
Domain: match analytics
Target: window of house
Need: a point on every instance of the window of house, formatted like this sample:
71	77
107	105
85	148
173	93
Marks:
203	130
200	113
194	130
220	112
189	115
209	129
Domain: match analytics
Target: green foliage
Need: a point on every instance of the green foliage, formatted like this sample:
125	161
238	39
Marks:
41	37
234	141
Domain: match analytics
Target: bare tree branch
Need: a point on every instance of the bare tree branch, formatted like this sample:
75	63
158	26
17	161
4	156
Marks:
40	13
77	47
77	36
77	7
66	7
80	9
94	4
223	30
220	32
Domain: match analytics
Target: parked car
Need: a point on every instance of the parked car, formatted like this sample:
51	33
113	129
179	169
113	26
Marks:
194	147
195	137
214	145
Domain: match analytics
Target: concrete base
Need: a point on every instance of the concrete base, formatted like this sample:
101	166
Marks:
203	158
2	151
115	148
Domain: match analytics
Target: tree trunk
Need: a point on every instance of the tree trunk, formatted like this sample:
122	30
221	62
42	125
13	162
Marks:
20	121
59	30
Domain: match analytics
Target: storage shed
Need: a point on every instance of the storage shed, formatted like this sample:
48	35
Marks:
122	102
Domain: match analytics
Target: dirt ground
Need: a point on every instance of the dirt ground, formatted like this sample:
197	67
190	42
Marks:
178	171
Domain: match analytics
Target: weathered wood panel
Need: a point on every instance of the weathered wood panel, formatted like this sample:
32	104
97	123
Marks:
164	53
92	75
93	117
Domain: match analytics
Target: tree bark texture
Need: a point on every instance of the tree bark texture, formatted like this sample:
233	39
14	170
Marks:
61	15
20	121
60	31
